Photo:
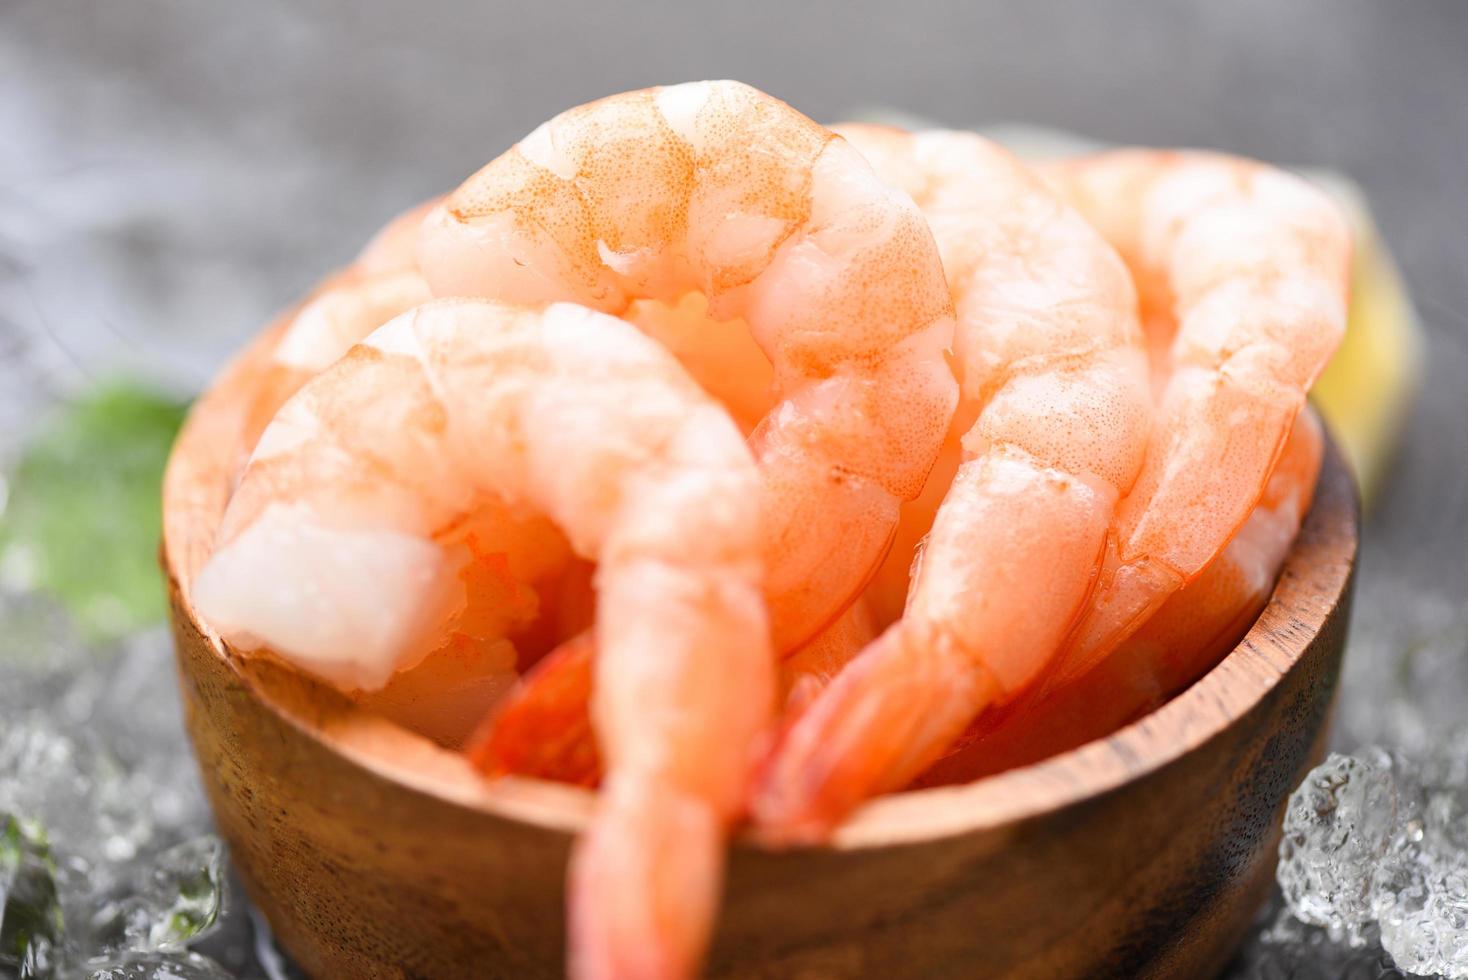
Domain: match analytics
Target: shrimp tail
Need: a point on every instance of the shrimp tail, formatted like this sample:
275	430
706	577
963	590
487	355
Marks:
543	728
645	881
882	721
1127	594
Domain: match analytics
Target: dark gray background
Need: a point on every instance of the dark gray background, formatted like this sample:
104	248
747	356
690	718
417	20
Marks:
172	171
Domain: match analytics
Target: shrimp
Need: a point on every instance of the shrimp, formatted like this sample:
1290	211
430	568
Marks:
1054	424
446	695
543	728
342	312
717	189
1251	266
806	671
886	594
516	563
344	513
1194	629
381	282
394	247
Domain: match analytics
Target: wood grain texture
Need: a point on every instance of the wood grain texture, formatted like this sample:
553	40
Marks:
374	853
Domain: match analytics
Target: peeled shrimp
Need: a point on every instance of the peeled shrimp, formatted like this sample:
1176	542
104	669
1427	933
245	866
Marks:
543	728
1188	635
1251	265
332	554
326	326
381	282
395	245
717	189
445	696
808	670
1054	424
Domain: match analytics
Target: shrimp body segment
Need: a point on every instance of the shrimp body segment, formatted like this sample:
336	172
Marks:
718	189
1054	424
1193	630
330	554
381	282
1252	264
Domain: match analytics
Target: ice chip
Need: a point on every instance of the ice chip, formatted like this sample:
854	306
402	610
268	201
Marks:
156	966
1376	850
73	785
141	717
31	926
92	747
1420	899
1284	948
179	896
1338	825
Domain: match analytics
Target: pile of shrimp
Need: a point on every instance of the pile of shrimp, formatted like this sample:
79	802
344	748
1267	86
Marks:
746	469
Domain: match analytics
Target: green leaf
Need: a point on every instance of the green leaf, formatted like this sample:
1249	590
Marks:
83	518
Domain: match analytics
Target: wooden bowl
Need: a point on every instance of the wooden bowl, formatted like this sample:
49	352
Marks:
374	853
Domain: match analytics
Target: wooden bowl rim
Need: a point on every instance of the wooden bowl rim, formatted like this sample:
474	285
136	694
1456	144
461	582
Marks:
1314	579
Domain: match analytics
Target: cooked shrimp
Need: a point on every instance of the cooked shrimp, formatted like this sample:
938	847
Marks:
445	695
344	311
331	554
718	189
381	282
1251	264
806	671
722	356
1054	425
395	246
1187	636
517	559
542	728
886	594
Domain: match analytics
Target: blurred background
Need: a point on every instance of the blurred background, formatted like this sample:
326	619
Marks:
174	172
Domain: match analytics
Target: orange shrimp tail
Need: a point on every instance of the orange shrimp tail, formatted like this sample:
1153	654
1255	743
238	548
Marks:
543	728
884	719
1126	595
645	883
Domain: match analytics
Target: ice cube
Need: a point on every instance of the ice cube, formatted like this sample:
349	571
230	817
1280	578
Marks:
1376	849
1339	824
175	898
1284	948
1420	899
94	749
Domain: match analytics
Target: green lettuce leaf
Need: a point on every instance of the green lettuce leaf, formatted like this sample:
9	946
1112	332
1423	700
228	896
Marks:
82	521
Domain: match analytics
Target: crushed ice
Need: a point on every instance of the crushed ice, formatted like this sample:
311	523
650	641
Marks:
1373	869
108	867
